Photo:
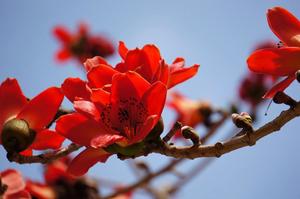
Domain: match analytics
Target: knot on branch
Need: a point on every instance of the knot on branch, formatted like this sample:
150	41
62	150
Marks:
189	133
219	147
282	98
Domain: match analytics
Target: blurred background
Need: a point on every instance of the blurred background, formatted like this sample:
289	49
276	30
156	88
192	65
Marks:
218	35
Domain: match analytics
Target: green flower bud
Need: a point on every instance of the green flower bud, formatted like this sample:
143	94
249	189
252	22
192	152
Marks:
16	135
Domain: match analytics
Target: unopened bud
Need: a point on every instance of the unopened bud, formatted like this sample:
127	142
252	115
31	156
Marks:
16	135
189	133
242	120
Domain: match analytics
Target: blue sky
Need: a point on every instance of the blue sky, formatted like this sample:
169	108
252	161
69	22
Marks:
218	35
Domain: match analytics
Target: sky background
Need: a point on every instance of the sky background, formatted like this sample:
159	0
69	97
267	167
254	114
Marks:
218	35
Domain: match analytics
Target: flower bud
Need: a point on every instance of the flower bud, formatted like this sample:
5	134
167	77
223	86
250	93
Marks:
16	135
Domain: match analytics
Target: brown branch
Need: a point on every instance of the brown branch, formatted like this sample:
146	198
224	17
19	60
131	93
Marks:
220	148
43	158
145	179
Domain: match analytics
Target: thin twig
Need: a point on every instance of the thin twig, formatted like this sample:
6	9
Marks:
43	158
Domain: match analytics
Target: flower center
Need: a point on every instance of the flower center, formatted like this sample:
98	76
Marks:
126	118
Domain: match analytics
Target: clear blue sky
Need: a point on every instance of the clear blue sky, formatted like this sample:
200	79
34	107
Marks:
219	35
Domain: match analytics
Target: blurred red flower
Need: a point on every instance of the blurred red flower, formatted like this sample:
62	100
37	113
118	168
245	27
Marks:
125	116
82	44
33	115
284	61
15	185
189	112
253	86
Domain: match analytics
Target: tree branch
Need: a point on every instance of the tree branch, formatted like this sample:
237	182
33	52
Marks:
220	148
43	158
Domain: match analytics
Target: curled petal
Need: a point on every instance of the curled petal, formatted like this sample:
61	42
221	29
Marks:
86	159
277	62
284	25
40	111
179	75
281	86
87	108
122	50
94	62
12	100
75	88
47	139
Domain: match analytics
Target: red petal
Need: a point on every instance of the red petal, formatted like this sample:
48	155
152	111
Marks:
75	88
78	128
122	50
12	100
182	74
151	62
94	62
281	86
105	140
277	62
154	98
145	129
86	159
128	85
179	62
47	139
134	59
284	25
100	96
63	55
62	34
14	180
27	152
100	76
87	108
41	109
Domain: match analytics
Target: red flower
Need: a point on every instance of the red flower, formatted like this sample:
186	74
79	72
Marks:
146	61
81	45
189	112
124	116
283	61
35	115
15	185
